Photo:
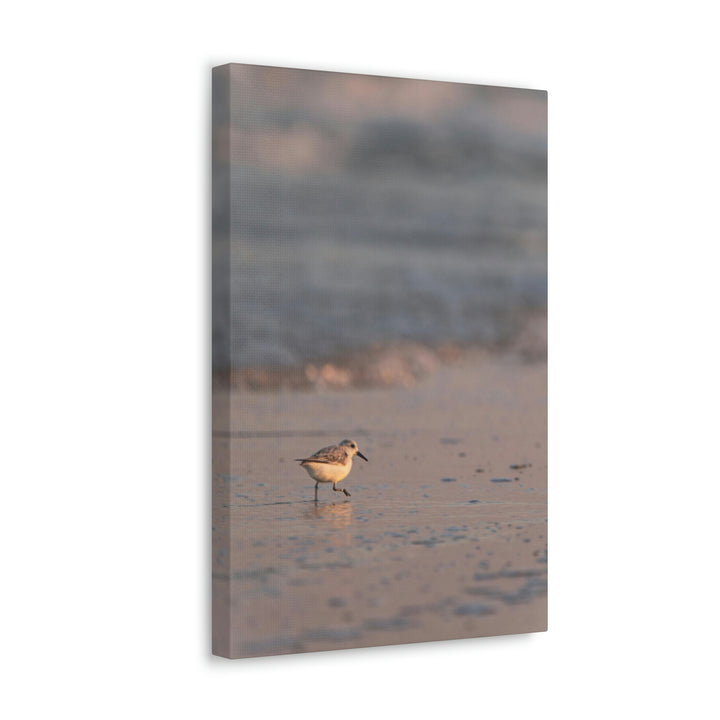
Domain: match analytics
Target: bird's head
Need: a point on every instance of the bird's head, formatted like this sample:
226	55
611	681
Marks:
351	445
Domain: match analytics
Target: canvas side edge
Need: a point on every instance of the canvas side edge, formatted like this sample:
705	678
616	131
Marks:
221	460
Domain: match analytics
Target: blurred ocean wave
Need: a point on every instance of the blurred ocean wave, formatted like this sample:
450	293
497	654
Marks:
374	211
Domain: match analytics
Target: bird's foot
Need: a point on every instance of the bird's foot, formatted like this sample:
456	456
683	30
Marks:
346	492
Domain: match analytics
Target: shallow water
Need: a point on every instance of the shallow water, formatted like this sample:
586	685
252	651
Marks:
409	557
394	563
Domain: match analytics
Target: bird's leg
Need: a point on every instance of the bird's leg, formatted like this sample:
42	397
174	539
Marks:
342	490
316	491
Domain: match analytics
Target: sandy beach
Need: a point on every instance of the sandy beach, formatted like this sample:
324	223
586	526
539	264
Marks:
445	535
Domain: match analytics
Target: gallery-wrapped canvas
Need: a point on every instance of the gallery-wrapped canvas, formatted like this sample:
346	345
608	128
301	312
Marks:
379	254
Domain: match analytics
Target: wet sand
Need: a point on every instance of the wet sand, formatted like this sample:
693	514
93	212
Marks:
445	535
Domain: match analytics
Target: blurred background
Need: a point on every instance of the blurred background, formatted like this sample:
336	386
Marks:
356	216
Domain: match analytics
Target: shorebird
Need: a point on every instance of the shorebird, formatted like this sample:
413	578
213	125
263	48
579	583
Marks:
331	464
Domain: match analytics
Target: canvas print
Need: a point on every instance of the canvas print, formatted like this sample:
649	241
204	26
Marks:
379	359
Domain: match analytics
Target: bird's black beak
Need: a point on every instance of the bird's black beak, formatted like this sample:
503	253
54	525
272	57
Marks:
362	456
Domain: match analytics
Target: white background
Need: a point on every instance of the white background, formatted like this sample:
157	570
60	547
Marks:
104	294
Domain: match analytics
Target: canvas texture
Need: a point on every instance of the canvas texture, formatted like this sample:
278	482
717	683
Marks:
379	360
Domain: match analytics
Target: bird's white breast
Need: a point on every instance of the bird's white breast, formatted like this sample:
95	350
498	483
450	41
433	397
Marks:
327	472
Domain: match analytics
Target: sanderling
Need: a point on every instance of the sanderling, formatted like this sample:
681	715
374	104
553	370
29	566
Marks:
331	464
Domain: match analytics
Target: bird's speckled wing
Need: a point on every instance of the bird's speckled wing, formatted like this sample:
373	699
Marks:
333	455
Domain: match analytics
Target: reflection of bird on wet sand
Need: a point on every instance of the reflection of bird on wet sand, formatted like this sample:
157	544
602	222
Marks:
335	515
331	464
